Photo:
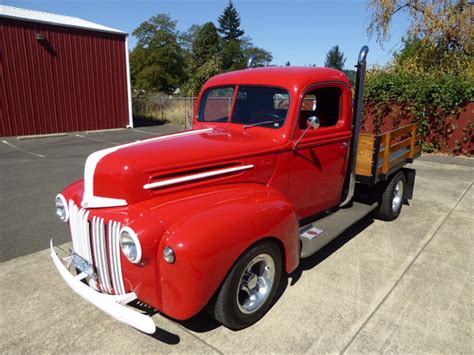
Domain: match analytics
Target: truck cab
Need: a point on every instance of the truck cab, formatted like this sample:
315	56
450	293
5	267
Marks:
276	103
214	217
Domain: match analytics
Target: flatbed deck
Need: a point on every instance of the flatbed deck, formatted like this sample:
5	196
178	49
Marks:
380	155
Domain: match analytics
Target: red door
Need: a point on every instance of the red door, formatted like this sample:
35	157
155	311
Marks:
319	160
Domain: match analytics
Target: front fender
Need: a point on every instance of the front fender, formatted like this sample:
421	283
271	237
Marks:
208	241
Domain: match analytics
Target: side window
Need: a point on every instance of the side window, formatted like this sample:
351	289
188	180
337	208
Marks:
216	104
324	103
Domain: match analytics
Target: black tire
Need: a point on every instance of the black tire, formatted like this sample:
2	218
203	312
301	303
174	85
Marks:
225	308
388	209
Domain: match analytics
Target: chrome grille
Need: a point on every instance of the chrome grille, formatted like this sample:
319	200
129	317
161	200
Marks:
93	238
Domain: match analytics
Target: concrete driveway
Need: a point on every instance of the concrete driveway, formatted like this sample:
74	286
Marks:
402	286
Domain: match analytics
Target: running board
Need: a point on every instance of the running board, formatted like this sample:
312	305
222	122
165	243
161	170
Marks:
317	234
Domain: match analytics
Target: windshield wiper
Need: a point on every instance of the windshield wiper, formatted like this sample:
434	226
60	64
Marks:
263	123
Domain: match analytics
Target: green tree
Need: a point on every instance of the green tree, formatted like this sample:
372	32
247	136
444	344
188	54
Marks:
446	23
206	44
205	61
262	57
420	56
335	58
229	24
187	38
232	56
157	61
201	74
287	64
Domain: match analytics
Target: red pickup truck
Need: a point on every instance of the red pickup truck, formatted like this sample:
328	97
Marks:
274	168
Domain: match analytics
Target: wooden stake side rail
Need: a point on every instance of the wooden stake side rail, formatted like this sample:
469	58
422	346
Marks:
380	155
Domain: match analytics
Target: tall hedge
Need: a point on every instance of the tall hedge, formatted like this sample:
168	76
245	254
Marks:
434	100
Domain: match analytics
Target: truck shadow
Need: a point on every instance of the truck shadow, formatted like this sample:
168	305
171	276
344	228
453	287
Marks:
202	322
160	333
330	248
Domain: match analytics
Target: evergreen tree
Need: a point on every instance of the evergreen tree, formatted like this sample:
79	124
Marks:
335	59
287	64
229	24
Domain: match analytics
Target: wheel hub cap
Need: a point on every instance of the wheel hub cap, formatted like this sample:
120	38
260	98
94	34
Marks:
255	283
397	196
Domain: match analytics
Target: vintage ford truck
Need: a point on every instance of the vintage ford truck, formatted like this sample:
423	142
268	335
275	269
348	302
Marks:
274	168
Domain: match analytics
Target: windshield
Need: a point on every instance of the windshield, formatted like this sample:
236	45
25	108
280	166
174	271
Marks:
254	106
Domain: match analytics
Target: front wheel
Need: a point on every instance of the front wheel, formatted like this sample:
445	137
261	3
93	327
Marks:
393	198
250	287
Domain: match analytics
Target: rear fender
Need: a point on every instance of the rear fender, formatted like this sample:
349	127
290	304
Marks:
210	239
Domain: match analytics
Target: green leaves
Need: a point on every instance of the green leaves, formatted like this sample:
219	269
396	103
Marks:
157	62
434	100
165	59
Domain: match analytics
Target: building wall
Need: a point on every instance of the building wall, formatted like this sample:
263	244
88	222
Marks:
74	80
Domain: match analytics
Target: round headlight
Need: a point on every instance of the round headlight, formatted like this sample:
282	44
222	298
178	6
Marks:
168	255
130	245
61	208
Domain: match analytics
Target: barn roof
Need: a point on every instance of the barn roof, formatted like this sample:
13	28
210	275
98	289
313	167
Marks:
53	19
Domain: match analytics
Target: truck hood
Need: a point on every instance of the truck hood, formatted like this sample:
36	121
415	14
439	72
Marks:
137	171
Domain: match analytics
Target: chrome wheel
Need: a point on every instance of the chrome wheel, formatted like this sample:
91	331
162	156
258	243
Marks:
398	194
255	283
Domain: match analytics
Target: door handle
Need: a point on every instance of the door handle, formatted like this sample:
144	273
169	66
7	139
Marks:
344	145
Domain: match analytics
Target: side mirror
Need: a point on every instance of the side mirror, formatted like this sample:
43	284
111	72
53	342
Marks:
313	122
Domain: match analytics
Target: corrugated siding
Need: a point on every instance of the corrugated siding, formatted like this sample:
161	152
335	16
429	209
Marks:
75	80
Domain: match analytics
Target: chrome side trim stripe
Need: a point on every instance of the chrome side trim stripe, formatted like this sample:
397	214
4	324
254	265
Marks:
192	177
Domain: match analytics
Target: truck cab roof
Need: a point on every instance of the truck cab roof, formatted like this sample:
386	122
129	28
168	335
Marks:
291	78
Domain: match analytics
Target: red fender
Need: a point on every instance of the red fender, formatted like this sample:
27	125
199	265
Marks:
209	240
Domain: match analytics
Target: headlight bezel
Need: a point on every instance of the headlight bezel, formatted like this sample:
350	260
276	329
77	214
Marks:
136	242
62	199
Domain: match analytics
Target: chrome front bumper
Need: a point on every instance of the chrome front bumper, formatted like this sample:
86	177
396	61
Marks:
113	305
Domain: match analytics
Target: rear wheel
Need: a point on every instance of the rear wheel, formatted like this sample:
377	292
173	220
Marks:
393	198
249	288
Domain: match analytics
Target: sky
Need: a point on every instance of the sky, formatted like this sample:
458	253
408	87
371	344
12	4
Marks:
299	31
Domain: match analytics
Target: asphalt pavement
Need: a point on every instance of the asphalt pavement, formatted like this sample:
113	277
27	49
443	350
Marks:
33	171
401	286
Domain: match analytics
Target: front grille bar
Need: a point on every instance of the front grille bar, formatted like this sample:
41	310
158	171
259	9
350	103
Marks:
106	251
100	253
116	265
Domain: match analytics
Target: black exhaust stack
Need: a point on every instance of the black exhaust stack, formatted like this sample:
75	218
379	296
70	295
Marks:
356	120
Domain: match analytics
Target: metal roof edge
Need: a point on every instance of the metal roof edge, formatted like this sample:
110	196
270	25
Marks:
27	15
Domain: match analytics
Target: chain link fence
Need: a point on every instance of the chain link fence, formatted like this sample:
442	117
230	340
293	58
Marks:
155	109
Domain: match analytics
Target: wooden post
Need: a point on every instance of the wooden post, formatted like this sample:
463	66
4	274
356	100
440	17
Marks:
413	142
386	153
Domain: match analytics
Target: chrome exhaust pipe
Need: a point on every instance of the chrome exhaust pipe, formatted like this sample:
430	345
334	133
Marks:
357	118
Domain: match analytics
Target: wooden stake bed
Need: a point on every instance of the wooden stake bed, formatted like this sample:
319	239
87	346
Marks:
380	155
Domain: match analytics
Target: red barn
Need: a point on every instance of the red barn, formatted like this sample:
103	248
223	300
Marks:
60	74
